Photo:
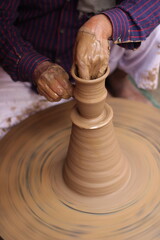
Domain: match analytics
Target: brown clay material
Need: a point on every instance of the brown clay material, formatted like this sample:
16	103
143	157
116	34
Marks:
95	164
35	202
91	53
52	81
98	188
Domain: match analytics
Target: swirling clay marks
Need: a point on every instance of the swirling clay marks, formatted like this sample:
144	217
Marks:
36	203
95	164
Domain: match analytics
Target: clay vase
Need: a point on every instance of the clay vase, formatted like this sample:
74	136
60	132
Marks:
94	165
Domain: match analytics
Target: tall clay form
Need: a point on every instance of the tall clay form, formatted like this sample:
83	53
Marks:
94	165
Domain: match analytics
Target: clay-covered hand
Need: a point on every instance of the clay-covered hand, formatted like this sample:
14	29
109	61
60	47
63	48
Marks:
91	51
52	81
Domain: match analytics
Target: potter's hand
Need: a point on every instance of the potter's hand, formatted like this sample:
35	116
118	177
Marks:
52	81
91	51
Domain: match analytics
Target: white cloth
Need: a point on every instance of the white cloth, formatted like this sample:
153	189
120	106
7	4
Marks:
142	64
18	101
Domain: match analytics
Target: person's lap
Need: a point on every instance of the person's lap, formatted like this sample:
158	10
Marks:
18	101
142	64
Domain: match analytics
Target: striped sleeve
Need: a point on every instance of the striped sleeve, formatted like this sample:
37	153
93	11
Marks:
17	56
133	21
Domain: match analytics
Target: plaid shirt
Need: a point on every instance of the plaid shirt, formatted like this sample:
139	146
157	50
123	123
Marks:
33	31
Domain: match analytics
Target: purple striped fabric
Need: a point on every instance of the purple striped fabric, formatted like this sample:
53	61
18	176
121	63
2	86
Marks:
133	21
33	31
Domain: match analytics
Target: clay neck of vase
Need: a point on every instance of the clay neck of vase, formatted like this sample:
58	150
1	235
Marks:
90	95
94	165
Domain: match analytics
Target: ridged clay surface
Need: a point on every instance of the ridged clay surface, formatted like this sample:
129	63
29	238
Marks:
35	202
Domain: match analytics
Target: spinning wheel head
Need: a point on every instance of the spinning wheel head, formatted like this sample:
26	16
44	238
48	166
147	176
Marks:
98	188
35	202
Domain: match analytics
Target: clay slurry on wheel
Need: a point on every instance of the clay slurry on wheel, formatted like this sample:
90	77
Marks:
37	203
33	204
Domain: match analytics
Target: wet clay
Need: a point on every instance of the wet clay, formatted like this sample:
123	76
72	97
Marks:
52	81
91	53
35	200
95	164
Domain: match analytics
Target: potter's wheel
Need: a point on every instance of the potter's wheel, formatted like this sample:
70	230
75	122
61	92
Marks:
35	203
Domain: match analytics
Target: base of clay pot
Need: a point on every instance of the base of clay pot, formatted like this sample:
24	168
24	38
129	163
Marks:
141	156
35	202
95	164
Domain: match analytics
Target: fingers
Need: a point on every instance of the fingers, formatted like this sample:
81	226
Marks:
54	98
81	54
54	84
95	65
53	92
64	83
105	59
48	93
90	56
102	69
83	71
58	81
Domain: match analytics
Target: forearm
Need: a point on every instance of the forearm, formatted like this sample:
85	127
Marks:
133	22
99	25
17	56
